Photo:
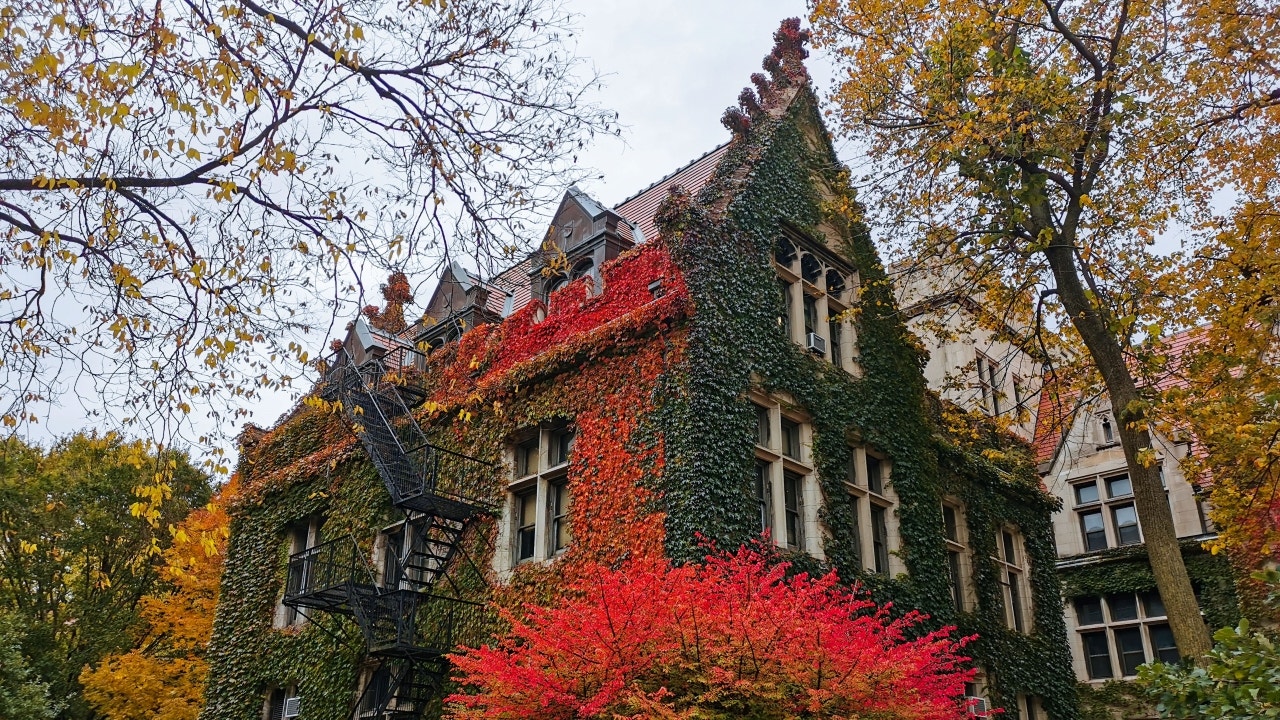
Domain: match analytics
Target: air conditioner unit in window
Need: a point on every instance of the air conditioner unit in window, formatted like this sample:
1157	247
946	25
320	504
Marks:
292	706
977	706
815	343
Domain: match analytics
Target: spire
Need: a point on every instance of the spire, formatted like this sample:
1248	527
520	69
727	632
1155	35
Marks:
785	65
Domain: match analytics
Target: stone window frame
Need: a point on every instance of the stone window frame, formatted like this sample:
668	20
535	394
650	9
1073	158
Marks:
831	292
990	383
301	534
1014	578
538	475
1149	620
866	500
771	460
1105	504
959	556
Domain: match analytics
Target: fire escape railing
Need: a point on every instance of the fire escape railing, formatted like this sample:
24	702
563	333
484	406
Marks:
407	624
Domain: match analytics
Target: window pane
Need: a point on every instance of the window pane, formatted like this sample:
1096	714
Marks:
1010	554
762	426
527	458
1123	606
993	379
1162	644
391	557
526	514
764	495
784	320
1118	486
833	337
1126	519
560	504
1014	585
949	523
810	268
875	478
791	439
1094	529
1089	611
1097	653
835	283
1087	492
957	584
1129	646
562	446
784	252
1152	605
792	489
810	313
855	506
880	538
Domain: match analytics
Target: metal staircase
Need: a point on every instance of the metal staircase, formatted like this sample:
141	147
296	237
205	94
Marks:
410	614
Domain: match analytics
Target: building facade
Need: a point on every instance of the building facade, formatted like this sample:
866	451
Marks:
1114	615
979	360
717	358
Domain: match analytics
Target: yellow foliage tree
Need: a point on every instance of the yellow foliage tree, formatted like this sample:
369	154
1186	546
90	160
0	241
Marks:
1229	394
163	677
1053	142
190	186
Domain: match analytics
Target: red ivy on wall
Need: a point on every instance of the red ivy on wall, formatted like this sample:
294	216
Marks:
476	376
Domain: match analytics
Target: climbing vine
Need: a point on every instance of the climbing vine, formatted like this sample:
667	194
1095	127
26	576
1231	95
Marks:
789	172
656	386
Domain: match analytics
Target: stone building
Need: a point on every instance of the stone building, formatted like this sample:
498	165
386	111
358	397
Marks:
680	366
1115	618
978	359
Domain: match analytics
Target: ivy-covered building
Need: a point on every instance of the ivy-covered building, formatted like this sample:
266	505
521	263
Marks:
716	357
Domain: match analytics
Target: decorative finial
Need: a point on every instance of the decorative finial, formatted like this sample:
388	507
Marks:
785	65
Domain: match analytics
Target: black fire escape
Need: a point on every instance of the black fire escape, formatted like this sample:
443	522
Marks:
410	611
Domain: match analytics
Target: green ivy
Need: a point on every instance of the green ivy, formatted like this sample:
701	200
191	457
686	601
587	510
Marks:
782	169
1127	569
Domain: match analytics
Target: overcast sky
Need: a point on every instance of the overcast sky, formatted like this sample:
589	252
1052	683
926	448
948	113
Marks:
673	67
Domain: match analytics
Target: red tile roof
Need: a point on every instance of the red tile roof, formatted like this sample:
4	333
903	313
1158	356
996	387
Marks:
1058	408
641	207
1053	418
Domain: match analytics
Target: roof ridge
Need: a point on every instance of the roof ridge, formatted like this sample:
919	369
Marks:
671	174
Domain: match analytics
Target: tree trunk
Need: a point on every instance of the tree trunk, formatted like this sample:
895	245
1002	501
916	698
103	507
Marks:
1154	514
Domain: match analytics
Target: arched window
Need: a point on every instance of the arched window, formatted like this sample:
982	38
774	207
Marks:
835	283
784	252
810	268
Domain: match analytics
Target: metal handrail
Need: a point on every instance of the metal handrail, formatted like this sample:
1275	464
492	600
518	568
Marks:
326	566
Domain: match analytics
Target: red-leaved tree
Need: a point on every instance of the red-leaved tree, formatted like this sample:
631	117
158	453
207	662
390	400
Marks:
734	637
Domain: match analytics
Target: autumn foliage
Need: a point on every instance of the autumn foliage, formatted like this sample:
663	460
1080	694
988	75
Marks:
163	677
734	637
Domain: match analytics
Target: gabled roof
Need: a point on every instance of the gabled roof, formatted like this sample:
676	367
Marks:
1059	408
641	207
